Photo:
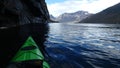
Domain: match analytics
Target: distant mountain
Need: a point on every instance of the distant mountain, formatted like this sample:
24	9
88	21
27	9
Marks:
109	15
52	19
73	17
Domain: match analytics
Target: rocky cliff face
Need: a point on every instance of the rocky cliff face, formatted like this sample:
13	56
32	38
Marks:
18	12
28	17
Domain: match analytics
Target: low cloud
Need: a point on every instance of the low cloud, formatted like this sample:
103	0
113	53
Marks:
92	6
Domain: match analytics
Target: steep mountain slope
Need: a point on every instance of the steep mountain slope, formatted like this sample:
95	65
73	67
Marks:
52	17
19	12
109	15
20	19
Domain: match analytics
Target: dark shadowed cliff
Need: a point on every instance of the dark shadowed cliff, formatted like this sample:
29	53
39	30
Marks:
109	15
17	12
20	19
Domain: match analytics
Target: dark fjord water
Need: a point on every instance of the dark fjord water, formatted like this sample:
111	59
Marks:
84	45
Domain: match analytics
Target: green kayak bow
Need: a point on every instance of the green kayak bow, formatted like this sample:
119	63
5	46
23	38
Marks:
30	51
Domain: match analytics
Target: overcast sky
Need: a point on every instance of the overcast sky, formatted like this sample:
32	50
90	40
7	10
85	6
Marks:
57	7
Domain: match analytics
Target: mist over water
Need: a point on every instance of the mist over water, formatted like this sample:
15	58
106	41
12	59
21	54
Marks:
84	45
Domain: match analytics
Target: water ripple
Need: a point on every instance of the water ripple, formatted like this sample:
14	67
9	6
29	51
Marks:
84	46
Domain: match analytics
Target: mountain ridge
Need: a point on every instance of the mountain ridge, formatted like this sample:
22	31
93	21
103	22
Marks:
109	15
71	17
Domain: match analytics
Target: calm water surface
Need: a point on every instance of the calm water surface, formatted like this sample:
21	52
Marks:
84	45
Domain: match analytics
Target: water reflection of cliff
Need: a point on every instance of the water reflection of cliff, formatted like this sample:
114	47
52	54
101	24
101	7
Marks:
13	38
18	20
